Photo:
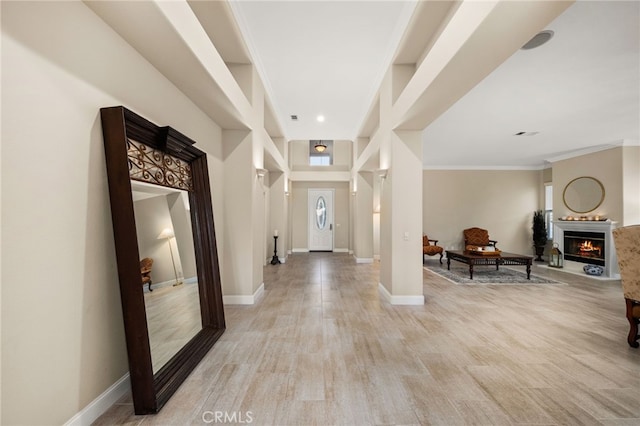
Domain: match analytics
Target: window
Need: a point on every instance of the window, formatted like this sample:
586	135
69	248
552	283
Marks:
548	209
320	160
320	153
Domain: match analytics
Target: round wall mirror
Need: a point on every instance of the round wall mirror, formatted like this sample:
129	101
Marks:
583	194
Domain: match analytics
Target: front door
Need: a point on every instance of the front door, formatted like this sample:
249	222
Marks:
320	219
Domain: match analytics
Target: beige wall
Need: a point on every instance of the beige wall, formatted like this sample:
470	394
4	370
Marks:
502	202
363	222
299	222
62	333
618	169
606	166
299	156
631	185
152	216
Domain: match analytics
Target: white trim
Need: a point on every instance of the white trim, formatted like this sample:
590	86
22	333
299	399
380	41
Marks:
363	259
242	299
584	151
102	403
340	250
400	300
324	176
479	167
300	250
313	196
611	259
350	251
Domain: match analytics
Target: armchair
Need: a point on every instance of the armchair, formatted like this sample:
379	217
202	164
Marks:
477	237
430	249
627	241
145	271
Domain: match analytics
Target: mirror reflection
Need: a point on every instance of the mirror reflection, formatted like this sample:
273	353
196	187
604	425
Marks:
583	194
168	268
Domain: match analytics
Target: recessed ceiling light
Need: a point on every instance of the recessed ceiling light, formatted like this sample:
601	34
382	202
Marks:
320	118
538	40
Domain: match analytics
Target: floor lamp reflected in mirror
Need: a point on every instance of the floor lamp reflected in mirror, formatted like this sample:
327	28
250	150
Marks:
168	234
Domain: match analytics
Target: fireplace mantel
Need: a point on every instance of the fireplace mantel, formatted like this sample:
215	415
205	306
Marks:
606	227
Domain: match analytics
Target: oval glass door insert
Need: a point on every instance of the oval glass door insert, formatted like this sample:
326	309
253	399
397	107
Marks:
321	213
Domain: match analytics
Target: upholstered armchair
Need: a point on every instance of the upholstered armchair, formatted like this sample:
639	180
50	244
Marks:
477	237
430	247
627	240
145	271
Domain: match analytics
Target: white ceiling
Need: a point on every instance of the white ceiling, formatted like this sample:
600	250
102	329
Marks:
322	58
580	91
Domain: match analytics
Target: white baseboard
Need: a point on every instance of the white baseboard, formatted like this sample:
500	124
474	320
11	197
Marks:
300	250
400	300
341	250
364	259
376	257
350	251
102	403
244	300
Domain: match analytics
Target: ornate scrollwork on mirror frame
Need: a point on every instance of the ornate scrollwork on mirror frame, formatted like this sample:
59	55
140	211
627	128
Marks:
138	149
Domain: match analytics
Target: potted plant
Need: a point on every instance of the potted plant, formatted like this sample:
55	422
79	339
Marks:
539	229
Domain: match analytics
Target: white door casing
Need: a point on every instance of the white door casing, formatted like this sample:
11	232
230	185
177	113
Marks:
320	214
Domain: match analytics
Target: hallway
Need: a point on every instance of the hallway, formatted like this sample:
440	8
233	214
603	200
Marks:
321	347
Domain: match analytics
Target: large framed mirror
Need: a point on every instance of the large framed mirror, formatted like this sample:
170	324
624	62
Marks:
583	194
165	250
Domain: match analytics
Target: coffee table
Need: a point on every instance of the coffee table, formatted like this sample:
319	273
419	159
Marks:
501	258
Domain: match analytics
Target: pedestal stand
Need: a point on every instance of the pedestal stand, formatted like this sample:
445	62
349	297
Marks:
274	259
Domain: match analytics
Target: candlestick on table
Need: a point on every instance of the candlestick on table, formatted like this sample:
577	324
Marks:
274	259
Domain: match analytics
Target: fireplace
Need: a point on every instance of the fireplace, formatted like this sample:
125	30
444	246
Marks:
586	241
584	247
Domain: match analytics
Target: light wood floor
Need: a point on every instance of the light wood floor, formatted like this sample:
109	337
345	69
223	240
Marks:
173	318
321	347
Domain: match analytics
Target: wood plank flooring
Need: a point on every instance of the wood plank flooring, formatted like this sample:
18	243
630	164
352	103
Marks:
321	347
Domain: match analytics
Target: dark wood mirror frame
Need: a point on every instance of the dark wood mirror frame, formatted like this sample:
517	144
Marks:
119	125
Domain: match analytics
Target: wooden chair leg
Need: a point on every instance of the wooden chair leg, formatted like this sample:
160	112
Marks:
441	258
632	338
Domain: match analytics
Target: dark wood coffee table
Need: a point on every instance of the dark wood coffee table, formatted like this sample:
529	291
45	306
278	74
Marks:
501	258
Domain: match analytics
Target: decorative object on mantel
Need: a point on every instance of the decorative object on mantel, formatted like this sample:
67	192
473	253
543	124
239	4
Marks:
596	218
595	270
539	228
555	257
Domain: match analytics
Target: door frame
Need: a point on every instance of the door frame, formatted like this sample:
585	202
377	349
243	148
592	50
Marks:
309	221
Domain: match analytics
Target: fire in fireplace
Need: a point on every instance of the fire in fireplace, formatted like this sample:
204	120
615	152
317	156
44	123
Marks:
585	247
